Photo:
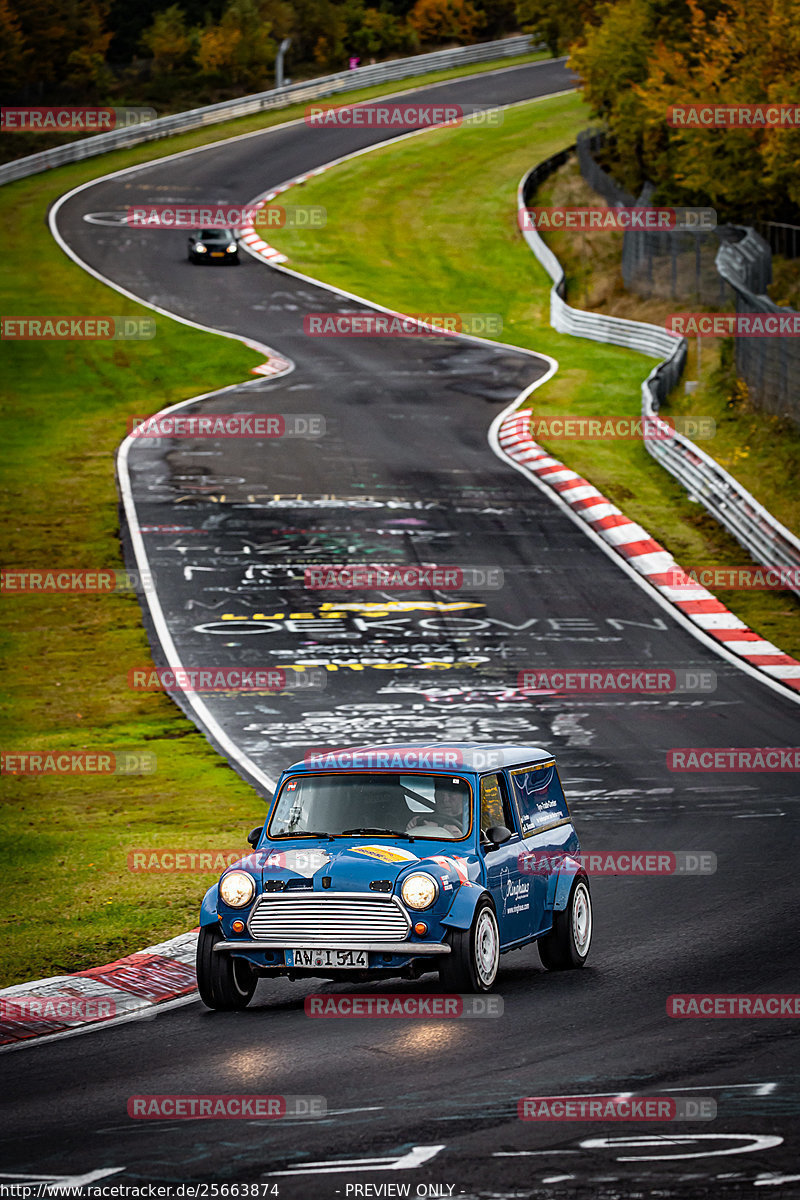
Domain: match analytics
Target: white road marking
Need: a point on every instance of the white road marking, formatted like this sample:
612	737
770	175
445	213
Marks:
774	1180
65	1180
759	1089
756	1142
528	1153
414	1158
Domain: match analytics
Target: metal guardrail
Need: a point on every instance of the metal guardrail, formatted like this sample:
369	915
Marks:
768	541
312	89
768	365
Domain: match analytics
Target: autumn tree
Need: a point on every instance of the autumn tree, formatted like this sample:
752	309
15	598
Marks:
437	21
646	56
66	42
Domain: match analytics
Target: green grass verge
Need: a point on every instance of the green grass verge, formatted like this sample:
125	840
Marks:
447	241
69	901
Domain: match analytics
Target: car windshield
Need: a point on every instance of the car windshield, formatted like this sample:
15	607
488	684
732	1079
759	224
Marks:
373	805
215	235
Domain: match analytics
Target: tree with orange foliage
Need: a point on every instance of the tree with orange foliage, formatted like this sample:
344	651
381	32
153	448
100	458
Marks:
445	21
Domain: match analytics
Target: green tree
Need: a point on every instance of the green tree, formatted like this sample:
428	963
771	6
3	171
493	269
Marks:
558	23
239	49
168	39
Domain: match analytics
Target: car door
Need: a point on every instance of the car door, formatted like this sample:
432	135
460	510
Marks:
511	889
546	829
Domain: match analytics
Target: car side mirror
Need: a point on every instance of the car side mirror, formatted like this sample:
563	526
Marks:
254	835
497	835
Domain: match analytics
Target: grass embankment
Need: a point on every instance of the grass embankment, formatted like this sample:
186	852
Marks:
69	900
447	241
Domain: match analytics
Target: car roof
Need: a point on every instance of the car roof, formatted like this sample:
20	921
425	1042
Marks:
472	756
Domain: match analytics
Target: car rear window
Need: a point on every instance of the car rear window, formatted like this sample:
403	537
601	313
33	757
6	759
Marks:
539	797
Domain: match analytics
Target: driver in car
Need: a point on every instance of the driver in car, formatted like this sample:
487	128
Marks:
447	818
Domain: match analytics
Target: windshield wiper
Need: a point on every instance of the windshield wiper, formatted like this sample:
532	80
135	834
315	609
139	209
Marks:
401	833
304	833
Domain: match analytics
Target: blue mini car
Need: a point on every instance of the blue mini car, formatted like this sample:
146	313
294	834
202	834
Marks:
397	860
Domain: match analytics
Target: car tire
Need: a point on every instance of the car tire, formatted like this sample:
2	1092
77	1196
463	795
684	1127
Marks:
566	947
474	958
223	981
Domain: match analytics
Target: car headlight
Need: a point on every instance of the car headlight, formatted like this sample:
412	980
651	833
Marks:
237	889
419	891
232	248
200	248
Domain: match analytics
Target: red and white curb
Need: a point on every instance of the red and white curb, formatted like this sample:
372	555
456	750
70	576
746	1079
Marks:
253	240
275	365
647	556
128	987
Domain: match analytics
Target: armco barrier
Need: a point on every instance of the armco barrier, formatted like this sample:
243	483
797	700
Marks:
312	89
769	366
765	539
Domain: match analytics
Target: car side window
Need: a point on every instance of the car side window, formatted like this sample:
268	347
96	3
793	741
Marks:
495	808
539	798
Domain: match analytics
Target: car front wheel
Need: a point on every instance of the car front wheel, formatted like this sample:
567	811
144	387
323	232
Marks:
223	981
567	944
471	965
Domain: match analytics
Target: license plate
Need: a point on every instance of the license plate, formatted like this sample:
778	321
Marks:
340	959
217	254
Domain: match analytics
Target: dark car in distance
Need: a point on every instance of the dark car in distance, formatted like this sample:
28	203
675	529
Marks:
213	245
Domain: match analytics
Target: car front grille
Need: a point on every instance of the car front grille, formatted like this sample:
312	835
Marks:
343	919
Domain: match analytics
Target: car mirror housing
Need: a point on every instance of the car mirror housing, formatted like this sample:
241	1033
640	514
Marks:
254	835
497	835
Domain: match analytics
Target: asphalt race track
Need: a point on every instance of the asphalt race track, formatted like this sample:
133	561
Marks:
404	474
